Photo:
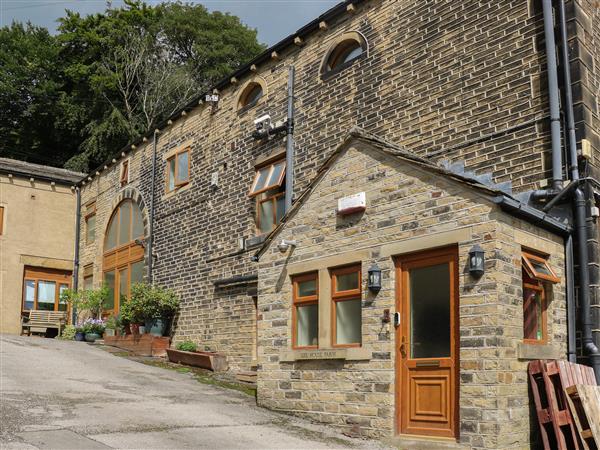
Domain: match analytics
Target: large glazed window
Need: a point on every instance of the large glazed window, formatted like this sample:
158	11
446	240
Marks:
269	190
123	262
42	289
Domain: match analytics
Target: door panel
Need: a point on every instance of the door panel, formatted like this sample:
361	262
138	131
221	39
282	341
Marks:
426	342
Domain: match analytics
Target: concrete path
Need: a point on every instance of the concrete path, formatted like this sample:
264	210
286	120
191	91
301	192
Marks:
71	395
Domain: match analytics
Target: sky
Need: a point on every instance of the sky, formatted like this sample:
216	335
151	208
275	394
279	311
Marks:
274	19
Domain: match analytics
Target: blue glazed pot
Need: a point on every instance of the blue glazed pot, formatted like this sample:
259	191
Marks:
80	337
157	326
91	337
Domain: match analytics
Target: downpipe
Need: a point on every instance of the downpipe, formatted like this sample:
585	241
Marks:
587	341
289	146
76	249
151	218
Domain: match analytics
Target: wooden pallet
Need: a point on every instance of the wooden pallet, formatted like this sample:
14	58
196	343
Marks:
548	380
584	403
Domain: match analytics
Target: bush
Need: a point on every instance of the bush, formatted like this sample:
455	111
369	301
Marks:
68	333
186	346
149	302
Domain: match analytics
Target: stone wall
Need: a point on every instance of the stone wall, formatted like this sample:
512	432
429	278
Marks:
452	80
409	209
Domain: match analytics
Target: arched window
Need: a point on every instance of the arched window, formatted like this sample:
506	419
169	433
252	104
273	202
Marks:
250	96
344	52
123	261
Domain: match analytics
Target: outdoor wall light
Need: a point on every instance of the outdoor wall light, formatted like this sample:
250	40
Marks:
476	261
374	282
284	245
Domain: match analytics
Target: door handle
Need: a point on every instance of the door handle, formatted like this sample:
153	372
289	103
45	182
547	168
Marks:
402	349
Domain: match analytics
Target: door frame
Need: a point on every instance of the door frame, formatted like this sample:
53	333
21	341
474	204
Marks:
399	261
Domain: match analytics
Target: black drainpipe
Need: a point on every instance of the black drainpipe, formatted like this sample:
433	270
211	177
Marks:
553	95
151	218
76	253
289	149
581	217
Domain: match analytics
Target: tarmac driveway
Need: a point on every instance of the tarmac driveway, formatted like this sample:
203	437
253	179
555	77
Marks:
71	395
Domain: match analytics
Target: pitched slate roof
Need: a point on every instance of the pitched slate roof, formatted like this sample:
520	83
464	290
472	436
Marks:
39	172
507	202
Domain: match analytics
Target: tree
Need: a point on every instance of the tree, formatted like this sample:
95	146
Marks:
78	97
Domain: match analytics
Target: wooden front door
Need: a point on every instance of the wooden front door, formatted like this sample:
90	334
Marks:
426	343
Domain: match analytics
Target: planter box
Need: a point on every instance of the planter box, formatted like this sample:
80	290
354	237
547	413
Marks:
140	344
206	360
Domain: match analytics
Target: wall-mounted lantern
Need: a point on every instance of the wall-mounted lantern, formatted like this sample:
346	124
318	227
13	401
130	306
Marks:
476	261
374	282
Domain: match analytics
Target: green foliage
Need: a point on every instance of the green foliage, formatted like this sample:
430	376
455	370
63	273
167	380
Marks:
186	346
113	322
93	326
148	302
78	97
86	302
68	333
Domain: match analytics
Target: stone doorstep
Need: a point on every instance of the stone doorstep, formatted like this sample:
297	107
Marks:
422	443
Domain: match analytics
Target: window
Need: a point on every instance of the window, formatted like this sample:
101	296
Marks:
88	277
537	274
90	222
269	190
346	306
305	311
178	170
123	262
1	220
250	96
42	289
124	173
348	49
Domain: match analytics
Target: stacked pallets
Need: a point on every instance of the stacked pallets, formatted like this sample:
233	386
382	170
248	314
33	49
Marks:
550	382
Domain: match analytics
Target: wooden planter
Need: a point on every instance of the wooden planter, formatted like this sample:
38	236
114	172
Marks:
206	360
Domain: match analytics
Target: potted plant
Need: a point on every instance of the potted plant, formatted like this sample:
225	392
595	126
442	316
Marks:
112	324
79	333
132	313
93	329
157	306
187	353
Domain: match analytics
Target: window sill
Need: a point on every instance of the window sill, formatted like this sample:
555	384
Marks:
537	351
176	191
348	354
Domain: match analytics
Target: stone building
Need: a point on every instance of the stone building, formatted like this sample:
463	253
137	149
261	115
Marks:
434	350
461	85
37	239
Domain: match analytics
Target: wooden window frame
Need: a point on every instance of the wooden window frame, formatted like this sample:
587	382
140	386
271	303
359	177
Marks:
340	296
528	257
48	275
277	184
174	157
530	284
1	220
90	211
273	199
303	301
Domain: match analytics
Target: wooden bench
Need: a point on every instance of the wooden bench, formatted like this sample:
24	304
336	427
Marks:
40	321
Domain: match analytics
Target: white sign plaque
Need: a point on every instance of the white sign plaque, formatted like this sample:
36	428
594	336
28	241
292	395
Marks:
352	204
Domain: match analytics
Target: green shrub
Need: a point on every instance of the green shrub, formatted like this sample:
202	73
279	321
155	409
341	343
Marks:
68	333
187	346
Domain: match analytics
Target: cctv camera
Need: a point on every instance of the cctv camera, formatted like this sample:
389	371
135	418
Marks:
263	123
285	244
